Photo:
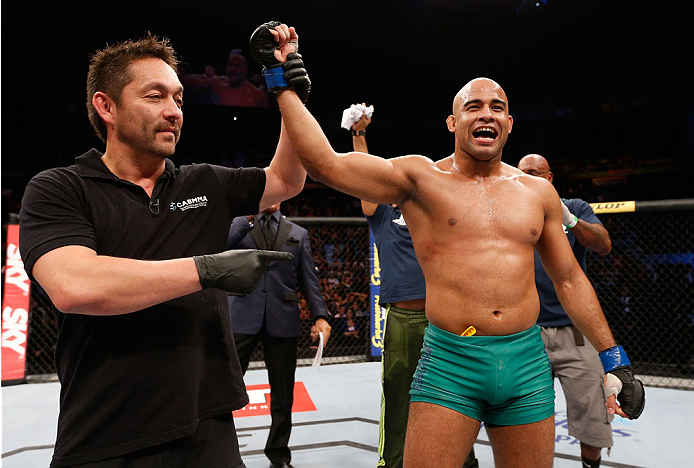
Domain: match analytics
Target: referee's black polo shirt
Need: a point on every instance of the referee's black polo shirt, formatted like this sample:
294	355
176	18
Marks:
140	379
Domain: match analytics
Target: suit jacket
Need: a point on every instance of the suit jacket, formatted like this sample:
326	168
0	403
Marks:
276	295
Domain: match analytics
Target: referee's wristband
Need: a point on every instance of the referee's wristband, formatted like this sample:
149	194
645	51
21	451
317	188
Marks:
572	223
358	132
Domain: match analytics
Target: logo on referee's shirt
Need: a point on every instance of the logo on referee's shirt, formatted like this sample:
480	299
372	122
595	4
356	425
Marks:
195	202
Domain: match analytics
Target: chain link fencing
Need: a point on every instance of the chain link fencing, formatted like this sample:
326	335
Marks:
645	286
340	249
646	289
42	335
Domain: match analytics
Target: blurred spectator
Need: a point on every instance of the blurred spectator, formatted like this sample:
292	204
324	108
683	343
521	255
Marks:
198	87
258	81
350	327
235	89
210	73
232	89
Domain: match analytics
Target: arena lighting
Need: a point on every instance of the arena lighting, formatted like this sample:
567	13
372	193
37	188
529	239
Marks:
530	7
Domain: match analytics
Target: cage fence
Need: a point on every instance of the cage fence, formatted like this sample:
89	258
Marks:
645	287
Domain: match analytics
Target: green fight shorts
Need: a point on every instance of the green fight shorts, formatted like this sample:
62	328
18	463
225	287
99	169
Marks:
499	380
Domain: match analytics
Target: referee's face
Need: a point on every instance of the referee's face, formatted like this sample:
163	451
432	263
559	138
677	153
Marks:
149	115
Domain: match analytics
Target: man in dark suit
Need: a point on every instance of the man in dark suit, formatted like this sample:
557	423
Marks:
270	314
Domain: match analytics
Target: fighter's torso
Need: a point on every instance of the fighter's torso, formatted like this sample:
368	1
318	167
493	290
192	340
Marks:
474	239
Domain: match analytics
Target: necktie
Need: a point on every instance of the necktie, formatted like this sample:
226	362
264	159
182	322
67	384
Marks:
268	233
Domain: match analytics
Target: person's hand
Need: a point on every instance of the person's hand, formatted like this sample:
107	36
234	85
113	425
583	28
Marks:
626	395
296	76
287	53
611	390
272	42
251	217
568	219
322	325
275	46
314	336
287	42
363	122
237	272
268	46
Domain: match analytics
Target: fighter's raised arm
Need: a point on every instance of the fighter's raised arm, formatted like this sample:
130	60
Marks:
284	177
349	172
362	175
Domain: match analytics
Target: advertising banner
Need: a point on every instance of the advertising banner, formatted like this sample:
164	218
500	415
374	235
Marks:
15	310
378	313
259	400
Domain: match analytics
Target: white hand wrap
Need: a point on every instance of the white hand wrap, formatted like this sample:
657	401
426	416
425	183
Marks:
568	219
612	385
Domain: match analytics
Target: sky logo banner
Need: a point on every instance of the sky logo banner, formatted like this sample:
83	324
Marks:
15	310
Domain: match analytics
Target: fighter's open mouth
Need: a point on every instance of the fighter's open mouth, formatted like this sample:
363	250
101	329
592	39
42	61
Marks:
485	132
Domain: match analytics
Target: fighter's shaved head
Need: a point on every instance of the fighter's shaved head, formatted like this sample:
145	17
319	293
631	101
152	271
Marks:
475	84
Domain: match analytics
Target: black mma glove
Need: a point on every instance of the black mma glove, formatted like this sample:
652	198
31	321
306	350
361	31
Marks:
278	75
296	76
621	381
262	45
237	272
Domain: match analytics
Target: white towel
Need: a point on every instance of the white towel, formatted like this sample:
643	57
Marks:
354	113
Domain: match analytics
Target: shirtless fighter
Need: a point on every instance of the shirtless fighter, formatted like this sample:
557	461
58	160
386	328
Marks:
474	227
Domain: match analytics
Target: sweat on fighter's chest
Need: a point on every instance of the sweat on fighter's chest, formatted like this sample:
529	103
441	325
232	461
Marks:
503	215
